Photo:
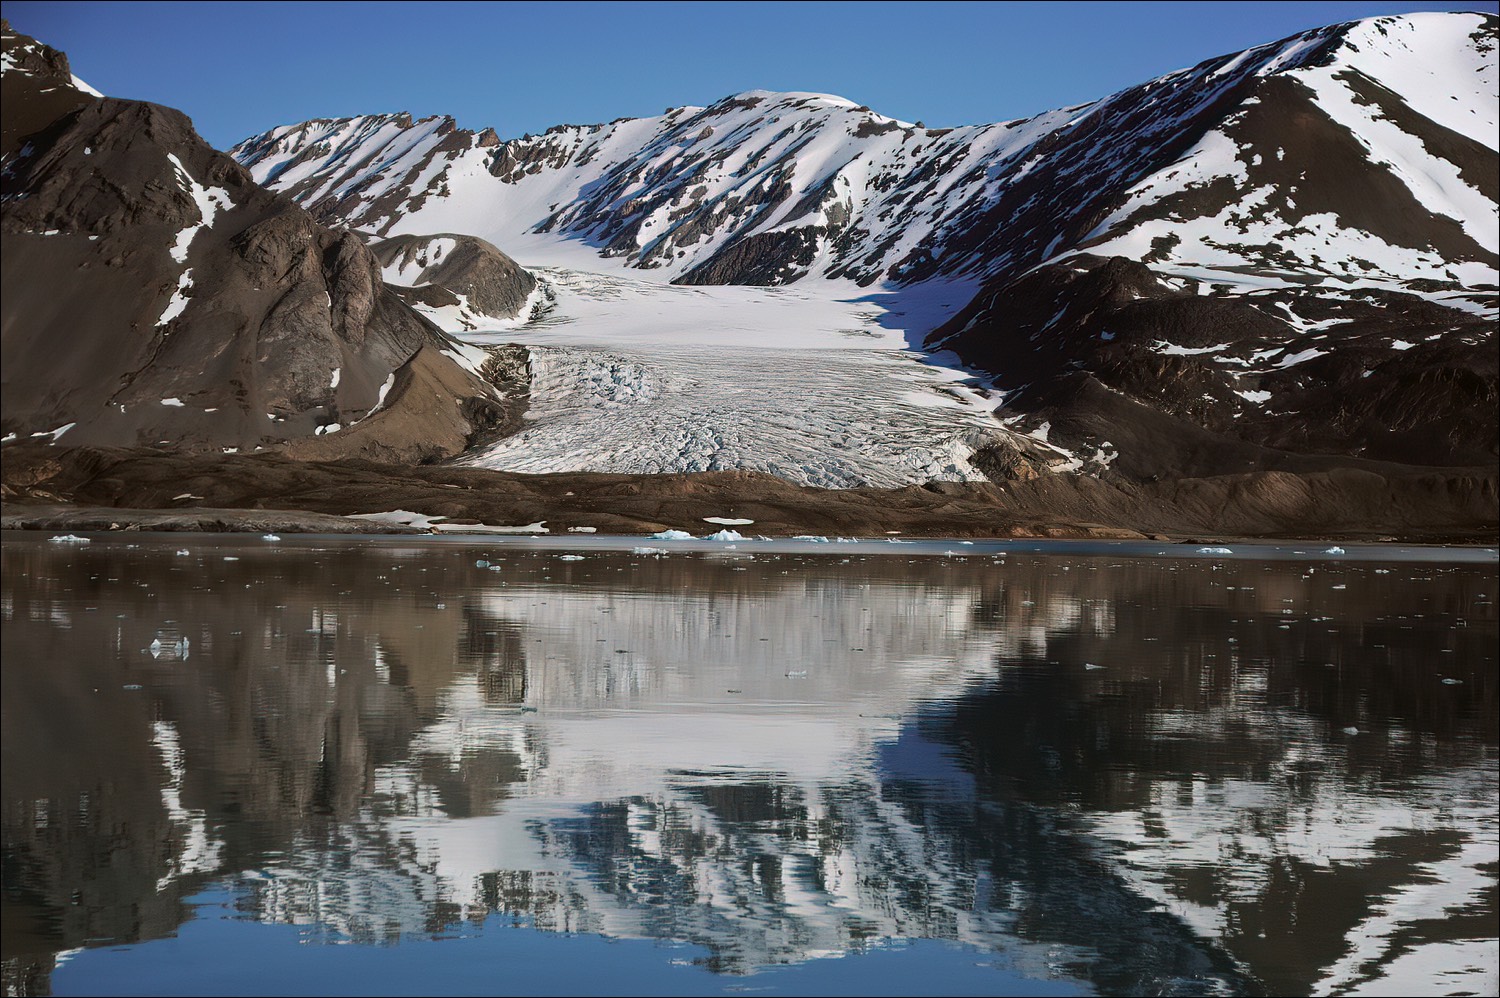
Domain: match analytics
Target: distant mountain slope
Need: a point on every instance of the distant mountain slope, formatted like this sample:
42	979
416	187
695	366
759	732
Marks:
1287	249
765	188
154	294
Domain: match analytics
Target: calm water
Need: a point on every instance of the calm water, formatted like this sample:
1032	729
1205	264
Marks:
324	766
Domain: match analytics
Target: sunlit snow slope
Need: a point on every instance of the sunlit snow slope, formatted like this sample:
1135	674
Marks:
762	188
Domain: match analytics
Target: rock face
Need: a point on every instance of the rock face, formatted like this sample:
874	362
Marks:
1164	378
457	272
155	295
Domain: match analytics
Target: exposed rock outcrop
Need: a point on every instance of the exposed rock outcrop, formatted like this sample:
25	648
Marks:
155	295
491	284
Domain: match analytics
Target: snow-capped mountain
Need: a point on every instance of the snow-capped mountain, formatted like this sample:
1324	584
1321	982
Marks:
1177	273
1224	165
155	295
1283	258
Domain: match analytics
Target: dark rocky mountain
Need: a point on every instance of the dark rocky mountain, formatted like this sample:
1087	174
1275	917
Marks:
155	294
1161	381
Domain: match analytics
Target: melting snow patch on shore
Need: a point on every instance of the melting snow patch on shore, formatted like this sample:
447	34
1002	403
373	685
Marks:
400	518
539	527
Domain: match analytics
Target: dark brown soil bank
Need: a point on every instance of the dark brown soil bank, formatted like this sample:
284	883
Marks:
88	488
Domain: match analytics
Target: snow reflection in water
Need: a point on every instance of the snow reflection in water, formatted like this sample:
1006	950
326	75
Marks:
1135	776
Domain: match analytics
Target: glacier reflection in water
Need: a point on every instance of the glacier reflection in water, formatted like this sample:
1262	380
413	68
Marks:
1077	772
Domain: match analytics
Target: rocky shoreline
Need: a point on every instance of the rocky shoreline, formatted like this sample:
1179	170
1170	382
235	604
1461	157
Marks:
47	488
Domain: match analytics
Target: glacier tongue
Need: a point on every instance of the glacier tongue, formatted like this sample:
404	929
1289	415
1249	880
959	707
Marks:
808	384
829	418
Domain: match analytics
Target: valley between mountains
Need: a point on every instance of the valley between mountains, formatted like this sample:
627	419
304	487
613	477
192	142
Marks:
1256	297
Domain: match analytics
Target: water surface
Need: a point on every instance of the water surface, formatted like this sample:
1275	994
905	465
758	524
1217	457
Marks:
384	766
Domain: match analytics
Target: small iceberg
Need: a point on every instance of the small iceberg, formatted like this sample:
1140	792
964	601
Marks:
1334	550
671	535
1215	551
270	537
68	539
725	535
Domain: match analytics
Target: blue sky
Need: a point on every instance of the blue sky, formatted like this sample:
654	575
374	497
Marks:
239	68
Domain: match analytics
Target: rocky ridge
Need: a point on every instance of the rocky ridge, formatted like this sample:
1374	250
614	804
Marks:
156	295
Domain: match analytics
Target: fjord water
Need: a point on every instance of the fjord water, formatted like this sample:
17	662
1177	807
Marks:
236	765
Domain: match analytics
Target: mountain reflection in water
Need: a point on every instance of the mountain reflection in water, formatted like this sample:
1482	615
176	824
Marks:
1166	776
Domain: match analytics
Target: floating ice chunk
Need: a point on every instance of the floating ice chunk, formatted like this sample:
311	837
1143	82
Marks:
1092	667
570	557
69	539
583	530
814	538
648	550
177	402
481	563
185	495
671	535
725	535
1450	681
156	647
728	521
270	537
1351	730
334	381
1215	551
183	553
1334	550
